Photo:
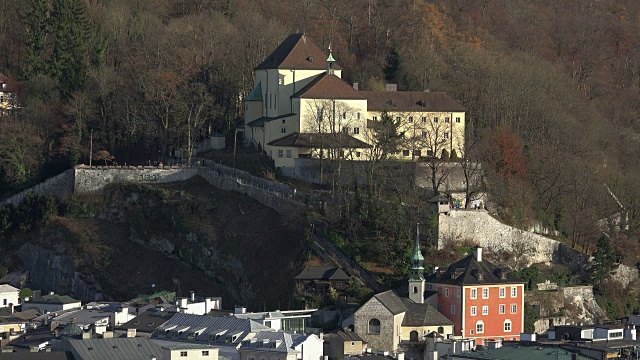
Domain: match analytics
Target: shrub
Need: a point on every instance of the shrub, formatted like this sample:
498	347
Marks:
445	155
454	155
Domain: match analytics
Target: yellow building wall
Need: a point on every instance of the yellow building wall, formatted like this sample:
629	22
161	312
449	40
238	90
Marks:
356	117
454	129
11	328
424	330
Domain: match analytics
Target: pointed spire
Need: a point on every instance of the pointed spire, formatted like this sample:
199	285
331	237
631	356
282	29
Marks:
417	254
417	268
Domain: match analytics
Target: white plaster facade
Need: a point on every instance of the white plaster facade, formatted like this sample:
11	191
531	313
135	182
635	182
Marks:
9	295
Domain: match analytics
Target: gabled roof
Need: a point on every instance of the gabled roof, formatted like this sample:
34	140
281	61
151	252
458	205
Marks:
469	271
317	140
423	315
391	301
4	288
54	299
348	336
328	86
410	101
322	273
148	321
297	52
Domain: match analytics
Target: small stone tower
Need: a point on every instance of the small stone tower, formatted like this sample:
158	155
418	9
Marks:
331	62
416	279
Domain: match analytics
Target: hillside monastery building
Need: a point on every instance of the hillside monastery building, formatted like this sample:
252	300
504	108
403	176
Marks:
301	108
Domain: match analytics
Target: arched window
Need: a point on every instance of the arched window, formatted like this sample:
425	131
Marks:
415	289
374	326
440	330
413	336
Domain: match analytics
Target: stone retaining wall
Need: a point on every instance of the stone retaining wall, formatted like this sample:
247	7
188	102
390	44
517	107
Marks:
58	185
481	228
93	179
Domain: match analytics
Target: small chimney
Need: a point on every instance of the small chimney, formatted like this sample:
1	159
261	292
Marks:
477	253
131	333
86	335
355	86
193	296
240	310
11	309
107	335
52	292
391	87
400	356
47	348
435	269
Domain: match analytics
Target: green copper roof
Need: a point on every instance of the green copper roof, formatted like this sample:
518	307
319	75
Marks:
417	268
330	58
256	93
417	255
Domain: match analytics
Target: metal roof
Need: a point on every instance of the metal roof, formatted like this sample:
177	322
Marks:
256	93
230	330
136	348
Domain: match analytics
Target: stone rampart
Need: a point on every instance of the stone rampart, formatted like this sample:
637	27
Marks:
481	228
93	179
58	185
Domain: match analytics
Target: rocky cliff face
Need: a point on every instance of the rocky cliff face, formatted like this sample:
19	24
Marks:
53	270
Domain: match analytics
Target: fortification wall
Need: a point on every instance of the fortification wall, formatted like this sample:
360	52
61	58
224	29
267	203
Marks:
488	232
93	179
58	185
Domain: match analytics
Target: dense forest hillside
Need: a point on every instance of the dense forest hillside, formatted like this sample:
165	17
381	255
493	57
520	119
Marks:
551	88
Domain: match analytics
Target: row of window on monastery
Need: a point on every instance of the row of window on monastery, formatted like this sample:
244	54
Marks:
473	293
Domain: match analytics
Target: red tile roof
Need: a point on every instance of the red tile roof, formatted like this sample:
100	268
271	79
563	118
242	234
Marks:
410	101
297	52
326	86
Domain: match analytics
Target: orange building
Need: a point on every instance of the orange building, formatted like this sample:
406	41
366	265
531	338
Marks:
484	301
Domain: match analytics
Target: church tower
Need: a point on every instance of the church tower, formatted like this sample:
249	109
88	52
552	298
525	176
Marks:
331	62
416	279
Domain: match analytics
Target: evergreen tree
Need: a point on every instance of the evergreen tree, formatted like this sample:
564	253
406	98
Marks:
69	59
35	19
603	261
392	65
